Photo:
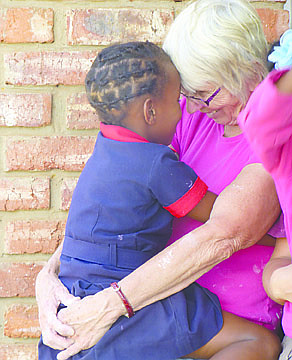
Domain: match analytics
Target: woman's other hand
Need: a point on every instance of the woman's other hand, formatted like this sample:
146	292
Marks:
50	293
90	318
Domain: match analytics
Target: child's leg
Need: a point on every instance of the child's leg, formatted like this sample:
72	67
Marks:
241	340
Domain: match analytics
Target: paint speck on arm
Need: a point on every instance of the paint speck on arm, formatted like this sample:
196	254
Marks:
165	260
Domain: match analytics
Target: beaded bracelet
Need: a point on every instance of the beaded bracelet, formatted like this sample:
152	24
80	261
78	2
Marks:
116	287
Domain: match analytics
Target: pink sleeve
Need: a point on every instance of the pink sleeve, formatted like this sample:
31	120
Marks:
267	122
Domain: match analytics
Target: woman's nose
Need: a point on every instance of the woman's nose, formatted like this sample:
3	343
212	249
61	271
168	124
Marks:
193	106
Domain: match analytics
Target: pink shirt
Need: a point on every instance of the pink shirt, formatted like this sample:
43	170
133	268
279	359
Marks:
267	122
217	160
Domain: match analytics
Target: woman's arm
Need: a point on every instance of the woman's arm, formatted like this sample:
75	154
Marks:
241	215
201	212
277	274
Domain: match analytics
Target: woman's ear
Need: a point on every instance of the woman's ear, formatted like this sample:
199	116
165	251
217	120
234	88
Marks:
149	112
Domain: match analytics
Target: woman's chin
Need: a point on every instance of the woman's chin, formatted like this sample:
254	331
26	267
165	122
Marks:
217	117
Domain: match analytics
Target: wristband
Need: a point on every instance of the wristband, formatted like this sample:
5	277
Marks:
117	289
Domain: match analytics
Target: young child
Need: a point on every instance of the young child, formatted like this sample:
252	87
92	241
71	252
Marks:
267	122
121	215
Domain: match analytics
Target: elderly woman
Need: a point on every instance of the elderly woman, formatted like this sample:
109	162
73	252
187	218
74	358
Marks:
220	51
221	63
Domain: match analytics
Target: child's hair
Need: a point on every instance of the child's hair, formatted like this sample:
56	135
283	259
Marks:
122	72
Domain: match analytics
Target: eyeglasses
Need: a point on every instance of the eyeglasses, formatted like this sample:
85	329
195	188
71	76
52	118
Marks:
206	102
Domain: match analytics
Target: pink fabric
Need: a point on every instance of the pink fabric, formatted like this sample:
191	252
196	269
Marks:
217	160
267	122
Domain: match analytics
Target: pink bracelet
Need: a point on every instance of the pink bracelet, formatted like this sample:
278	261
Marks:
117	289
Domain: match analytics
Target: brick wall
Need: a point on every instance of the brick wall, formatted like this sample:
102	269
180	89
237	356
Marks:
48	130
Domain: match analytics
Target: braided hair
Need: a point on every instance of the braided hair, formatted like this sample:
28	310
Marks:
122	72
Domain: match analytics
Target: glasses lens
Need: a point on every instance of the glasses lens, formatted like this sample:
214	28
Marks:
199	101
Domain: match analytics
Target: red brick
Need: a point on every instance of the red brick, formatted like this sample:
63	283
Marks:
104	26
80	114
26	25
68	153
275	22
37	236
24	193
18	279
47	68
18	352
30	110
67	189
22	321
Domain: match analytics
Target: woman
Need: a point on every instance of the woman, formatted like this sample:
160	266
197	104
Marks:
243	212
226	70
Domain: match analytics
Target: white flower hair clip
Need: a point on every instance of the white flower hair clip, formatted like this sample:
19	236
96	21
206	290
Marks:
282	55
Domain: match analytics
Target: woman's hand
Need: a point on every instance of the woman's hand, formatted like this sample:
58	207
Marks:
50	292
90	318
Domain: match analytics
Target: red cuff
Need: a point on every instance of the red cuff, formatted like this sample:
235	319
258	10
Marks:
190	199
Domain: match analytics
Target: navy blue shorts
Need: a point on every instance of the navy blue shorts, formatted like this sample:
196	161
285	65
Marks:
167	329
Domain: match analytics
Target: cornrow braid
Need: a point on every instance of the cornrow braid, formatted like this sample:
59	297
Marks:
122	72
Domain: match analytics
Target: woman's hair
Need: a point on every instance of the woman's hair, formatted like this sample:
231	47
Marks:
122	72
219	42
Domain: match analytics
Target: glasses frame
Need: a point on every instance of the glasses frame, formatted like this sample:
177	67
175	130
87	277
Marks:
206	102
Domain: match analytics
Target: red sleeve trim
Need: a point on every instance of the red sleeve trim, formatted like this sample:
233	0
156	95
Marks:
189	200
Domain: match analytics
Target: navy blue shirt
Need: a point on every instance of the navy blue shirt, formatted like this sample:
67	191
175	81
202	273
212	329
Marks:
129	191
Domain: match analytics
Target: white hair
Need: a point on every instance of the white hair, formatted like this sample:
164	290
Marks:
219	42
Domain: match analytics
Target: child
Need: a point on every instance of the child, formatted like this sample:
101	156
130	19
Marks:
267	122
121	215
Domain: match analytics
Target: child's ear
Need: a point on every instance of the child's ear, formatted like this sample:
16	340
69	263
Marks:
149	112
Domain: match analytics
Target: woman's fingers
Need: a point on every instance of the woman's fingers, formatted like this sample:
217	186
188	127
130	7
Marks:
50	293
59	327
70	351
56	341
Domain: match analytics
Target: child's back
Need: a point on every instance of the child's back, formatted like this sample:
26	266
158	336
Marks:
117	219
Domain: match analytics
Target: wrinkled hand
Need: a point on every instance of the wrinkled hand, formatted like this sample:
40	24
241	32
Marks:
50	292
90	318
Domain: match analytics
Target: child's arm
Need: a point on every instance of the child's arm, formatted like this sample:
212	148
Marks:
201	212
277	275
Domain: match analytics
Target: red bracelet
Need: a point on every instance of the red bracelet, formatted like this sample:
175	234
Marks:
117	289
